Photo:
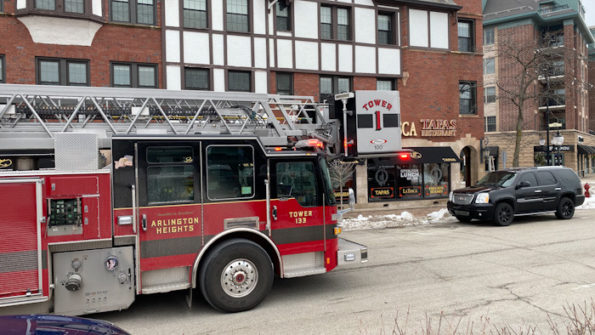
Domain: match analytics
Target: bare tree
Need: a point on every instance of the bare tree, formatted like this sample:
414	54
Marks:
523	59
341	172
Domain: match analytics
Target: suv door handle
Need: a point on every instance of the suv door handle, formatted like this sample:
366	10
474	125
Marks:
558	189
538	191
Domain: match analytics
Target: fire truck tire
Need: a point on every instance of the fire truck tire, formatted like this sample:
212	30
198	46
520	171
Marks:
236	276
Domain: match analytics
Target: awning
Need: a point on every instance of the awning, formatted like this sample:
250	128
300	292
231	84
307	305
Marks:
585	149
433	155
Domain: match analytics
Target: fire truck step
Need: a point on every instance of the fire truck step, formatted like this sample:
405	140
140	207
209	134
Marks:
304	272
165	288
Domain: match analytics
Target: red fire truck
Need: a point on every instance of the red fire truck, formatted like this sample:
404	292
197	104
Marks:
110	193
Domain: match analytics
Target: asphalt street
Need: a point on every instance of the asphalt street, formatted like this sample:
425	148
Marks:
474	275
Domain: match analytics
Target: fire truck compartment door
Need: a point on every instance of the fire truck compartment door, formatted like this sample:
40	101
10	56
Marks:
20	251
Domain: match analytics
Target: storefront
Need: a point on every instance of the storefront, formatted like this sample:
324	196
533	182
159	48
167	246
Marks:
586	159
425	175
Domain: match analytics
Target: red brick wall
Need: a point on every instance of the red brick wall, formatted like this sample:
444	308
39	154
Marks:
508	71
306	84
111	43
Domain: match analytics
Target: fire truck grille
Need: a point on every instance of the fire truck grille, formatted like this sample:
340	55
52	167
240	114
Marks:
463	199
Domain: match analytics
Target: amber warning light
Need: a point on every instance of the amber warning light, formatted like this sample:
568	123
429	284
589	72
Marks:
310	143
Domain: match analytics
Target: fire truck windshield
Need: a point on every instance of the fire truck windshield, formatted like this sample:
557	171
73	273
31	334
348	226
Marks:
328	189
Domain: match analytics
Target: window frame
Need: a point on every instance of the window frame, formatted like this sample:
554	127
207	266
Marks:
1	6
134	74
473	99
288	17
393	83
250	78
291	86
63	71
335	23
487	127
84	8
490	31
133	13
471	38
335	84
2	68
184	9
188	68
247	15
392	33
46	9
486	61
488	99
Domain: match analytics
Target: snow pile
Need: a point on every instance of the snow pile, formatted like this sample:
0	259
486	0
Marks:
589	202
394	221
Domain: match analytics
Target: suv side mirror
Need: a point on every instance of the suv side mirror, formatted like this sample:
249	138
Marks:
523	184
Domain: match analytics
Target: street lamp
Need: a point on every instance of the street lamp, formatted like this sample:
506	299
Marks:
557	141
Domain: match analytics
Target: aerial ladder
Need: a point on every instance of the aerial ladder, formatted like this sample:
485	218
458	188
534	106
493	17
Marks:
32	116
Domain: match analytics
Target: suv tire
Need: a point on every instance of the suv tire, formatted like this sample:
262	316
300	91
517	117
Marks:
504	214
565	209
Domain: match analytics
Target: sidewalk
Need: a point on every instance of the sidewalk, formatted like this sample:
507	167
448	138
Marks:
437	213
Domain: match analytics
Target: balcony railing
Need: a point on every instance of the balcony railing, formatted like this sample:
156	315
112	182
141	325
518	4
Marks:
553	9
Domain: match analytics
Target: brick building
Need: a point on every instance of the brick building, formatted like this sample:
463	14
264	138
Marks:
558	93
592	87
428	50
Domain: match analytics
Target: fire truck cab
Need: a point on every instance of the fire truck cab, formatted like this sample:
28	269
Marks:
150	212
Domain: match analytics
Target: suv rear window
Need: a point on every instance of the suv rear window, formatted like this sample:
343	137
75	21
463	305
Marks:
546	178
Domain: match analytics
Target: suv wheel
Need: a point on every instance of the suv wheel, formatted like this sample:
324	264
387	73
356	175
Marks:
503	214
565	209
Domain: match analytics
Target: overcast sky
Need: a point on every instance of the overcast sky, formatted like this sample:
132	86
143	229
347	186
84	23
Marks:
589	12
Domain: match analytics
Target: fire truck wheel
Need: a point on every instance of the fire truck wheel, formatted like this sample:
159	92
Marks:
236	276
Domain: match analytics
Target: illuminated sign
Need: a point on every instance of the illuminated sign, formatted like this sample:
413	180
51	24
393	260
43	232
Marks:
430	128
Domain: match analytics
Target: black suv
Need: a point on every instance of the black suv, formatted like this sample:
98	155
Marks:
500	195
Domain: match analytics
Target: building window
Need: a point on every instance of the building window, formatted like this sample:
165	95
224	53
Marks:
62	72
331	85
134	75
335	23
195	14
385	29
488	36
2	72
145	12
120	11
489	94
283	16
489	65
385	85
237	16
490	122
196	79
45	4
239	81
1	5
467	97
466	36
134	11
284	83
74	6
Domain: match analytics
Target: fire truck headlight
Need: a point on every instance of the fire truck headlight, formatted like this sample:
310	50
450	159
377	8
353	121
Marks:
73	282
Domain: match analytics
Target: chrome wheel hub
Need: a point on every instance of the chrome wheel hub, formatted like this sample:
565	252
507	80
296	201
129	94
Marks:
239	278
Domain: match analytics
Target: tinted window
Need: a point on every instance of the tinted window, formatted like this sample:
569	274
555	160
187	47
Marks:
170	175
529	178
297	180
230	172
546	178
500	178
